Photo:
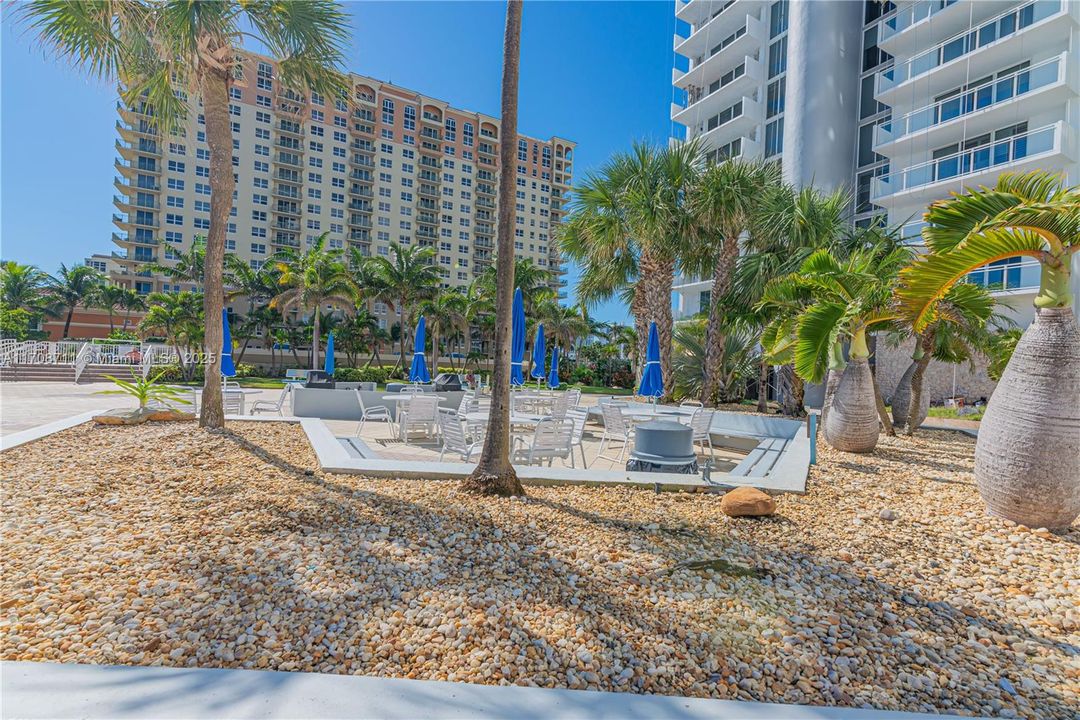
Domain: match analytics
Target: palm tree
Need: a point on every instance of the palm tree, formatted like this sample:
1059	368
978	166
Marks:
109	297
171	55
312	279
494	475
628	226
258	285
1027	462
445	313
826	302
22	287
726	201
736	364
533	280
188	266
958	330
178	318
564	324
73	287
404	281
131	301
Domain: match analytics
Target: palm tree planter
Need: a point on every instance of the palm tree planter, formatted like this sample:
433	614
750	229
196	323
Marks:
1027	457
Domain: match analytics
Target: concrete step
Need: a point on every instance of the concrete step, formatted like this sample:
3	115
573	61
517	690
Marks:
61	373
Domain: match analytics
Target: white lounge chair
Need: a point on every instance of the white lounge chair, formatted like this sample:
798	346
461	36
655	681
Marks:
376	413
615	428
272	405
420	413
453	435
551	439
690	404
232	402
700	422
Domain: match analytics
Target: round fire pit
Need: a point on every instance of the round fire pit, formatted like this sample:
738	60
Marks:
663	446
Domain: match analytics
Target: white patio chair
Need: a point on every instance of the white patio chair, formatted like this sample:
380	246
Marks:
690	404
376	413
551	439
578	416
412	389
463	406
453	435
615	428
560	406
420	413
575	397
475	428
700	422
272	405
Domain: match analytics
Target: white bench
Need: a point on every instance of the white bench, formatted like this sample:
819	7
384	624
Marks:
761	459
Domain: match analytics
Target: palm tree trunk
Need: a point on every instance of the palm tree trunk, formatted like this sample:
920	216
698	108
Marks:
851	423
215	87
763	386
243	349
1027	456
315	340
494	475
111	328
127	317
401	337
661	274
67	322
882	410
909	403
791	403
714	330
434	350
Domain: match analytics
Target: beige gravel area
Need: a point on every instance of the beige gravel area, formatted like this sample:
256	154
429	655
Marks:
884	586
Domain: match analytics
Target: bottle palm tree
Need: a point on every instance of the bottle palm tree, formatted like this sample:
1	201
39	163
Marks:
1027	458
826	302
404	278
726	201
310	280
72	287
494	475
958	331
628	226
109	297
445	313
170	56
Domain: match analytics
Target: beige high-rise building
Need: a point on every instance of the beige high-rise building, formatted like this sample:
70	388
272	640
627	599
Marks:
386	164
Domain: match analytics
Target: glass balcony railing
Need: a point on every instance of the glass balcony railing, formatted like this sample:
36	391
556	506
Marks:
998	28
1007	274
908	15
968	162
993	92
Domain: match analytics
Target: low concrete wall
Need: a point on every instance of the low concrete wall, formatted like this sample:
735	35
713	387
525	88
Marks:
343	405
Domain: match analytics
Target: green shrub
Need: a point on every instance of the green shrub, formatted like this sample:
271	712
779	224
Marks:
583	375
622	378
121	334
364	374
244	370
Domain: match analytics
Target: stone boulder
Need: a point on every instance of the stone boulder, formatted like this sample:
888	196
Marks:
165	414
747	502
124	416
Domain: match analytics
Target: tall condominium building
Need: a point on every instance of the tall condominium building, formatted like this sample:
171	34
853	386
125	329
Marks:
385	163
901	102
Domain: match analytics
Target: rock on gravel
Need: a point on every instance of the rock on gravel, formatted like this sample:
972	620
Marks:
164	544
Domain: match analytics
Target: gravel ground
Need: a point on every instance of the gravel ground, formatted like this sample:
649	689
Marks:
884	586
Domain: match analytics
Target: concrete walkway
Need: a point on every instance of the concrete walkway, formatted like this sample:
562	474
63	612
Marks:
25	405
45	690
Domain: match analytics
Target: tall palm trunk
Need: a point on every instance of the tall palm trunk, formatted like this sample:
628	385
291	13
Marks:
791	404
67	322
315	340
111	328
127	317
401	336
763	386
215	91
883	412
1027	456
494	475
714	329
910	405
661	275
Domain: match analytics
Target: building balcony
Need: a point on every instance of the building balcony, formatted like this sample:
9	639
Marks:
289	209
926	22
130	169
709	103
132	151
360	221
129	207
730	36
362	191
360	206
424	218
290	144
429	191
125	240
285	192
751	115
1043	87
288	159
1051	146
290	128
289	176
125	222
135	131
363	129
1008	277
125	186
365	146
363	161
999	42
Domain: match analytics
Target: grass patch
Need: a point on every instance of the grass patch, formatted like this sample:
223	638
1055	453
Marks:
945	412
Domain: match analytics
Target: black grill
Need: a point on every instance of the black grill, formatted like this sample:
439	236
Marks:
447	382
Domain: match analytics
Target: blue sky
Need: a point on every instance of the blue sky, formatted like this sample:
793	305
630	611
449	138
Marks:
598	73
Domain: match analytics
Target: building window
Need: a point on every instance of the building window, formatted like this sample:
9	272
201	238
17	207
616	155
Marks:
774	137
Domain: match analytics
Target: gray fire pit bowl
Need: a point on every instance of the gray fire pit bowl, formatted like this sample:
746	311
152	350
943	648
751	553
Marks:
663	446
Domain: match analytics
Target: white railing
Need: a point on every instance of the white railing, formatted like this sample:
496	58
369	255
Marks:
81	354
83	359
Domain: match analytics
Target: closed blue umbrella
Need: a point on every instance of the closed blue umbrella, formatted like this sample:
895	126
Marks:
227	367
538	354
419	372
517	340
652	380
553	377
328	364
